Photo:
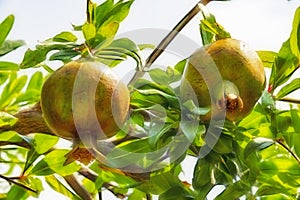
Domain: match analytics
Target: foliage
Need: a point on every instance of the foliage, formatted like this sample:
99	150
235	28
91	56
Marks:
256	158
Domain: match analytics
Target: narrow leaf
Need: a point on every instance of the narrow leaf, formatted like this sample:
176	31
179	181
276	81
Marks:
35	81
295	34
257	144
288	88
41	146
10	66
10	45
65	37
5	27
267	57
58	186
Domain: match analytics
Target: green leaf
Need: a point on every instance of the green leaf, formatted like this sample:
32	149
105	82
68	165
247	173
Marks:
56	159
4	76
180	66
41	169
89	32
53	162
159	76
257	144
190	105
286	63
105	34
209	28
17	192
29	97
267	57
64	55
118	50
234	191
34	58
202	174
106	19
41	146
7	119
31	157
65	37
223	144
119	12
267	100
12	90
101	12
36	81
130	153
289	88
4	65
296	139
277	197
146	46
206	35
295	34
5	27
10	45
192	130
279	163
157	130
178	193
137	194
267	189
36	184
58	186
255	118
149	97
161	183
10	136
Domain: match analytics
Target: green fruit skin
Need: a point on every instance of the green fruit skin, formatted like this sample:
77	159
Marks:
61	103
235	62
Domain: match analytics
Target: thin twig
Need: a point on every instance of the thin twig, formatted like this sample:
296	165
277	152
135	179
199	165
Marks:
280	142
88	16
18	184
148	196
168	39
289	100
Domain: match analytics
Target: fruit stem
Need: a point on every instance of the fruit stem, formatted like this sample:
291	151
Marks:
168	39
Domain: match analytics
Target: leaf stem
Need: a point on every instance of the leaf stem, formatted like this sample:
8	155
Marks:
18	184
280	142
168	39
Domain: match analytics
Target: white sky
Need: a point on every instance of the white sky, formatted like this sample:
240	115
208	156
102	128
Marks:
264	24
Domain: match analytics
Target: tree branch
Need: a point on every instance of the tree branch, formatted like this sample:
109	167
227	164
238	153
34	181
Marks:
78	187
289	100
168	39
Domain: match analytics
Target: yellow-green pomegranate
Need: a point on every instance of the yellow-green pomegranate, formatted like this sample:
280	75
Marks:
227	76
84	97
